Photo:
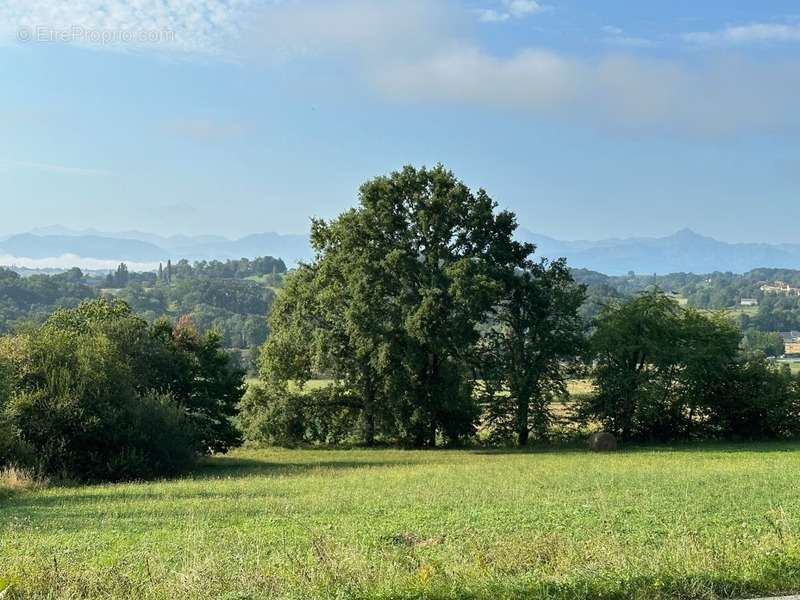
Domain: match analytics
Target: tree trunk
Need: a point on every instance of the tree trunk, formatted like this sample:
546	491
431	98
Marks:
522	436
369	428
432	434
523	412
369	416
431	390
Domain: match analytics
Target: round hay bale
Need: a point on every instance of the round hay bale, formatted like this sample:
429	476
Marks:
602	441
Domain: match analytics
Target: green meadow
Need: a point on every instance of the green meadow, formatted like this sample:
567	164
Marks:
713	521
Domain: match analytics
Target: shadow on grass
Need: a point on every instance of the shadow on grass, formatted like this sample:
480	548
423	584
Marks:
210	471
652	587
641	448
73	510
224	467
775	578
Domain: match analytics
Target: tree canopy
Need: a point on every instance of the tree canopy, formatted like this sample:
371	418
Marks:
396	303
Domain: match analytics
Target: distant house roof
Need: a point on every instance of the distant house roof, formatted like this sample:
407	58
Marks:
790	336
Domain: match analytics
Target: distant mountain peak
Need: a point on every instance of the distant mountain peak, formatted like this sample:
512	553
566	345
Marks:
684	251
686	232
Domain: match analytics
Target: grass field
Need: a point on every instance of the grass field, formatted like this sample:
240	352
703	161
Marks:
793	365
694	522
576	387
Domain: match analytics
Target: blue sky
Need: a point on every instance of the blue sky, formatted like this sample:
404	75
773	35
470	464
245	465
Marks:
589	119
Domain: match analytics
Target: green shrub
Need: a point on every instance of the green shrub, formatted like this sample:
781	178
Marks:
756	401
655	365
76	407
271	415
7	434
97	393
159	439
665	373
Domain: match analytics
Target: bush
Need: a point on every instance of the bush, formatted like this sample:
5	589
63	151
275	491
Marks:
97	393
756	401
653	365
78	410
19	478
7	434
158	440
272	415
665	373
269	417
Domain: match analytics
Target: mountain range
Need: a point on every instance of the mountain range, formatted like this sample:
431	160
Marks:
684	251
141	248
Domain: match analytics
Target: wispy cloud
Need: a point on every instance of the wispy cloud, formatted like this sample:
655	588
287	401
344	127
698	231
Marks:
357	30
425	51
616	36
167	25
747	34
422	51
419	51
51	168
491	15
624	92
510	9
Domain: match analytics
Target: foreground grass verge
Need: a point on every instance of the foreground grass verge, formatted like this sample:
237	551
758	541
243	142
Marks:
694	522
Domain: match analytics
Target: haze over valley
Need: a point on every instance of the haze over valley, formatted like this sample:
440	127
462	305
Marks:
685	251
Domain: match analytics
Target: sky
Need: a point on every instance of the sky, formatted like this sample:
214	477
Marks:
590	119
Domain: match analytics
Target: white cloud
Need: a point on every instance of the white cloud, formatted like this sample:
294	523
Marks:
425	51
51	168
615	36
194	26
744	34
490	15
531	80
621	92
522	8
360	29
511	9
419	51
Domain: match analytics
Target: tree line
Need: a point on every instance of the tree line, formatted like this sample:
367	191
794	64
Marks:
434	324
231	296
713	291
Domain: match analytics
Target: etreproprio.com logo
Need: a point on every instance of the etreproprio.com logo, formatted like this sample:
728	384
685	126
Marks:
77	33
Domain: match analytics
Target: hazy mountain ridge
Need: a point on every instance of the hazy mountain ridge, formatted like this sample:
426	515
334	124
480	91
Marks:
684	251
140	247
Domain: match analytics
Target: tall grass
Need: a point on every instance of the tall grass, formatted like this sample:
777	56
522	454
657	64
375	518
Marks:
13	478
694	522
